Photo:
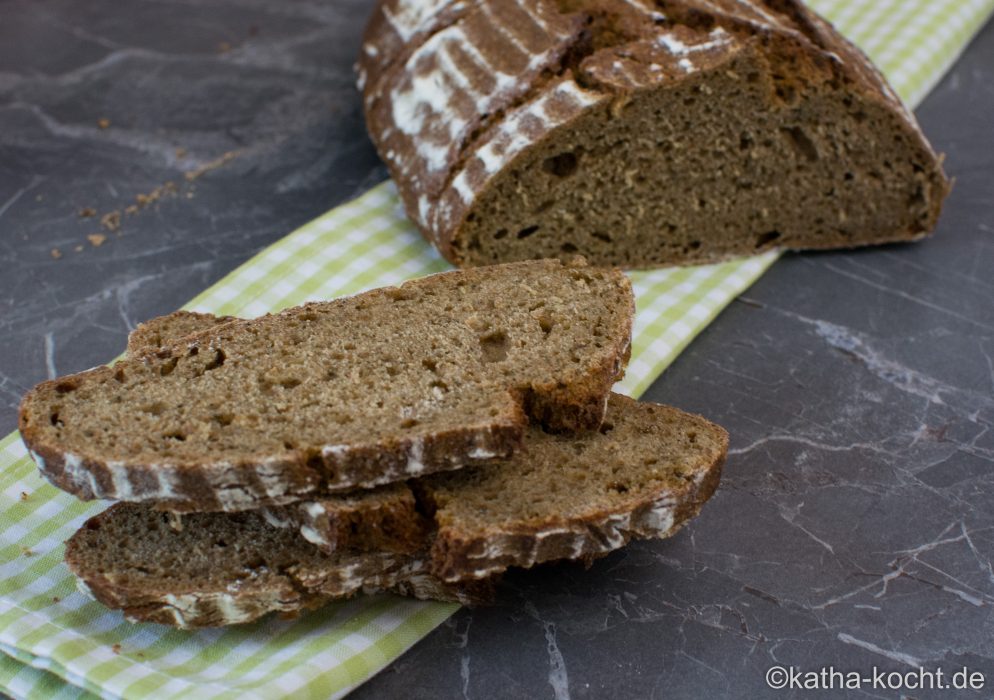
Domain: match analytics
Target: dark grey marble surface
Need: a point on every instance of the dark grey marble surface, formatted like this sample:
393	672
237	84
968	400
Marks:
854	526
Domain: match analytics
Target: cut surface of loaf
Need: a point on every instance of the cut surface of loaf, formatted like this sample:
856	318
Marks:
433	375
214	569
640	134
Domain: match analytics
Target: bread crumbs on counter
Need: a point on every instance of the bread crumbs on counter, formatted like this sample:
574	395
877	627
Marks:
26	551
192	175
111	220
24	495
56	599
116	648
143	200
103	123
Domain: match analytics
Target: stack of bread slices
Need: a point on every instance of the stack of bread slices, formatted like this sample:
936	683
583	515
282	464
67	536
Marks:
419	439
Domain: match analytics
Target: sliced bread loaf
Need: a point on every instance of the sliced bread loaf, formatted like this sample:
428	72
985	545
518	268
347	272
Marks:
433	375
640	133
226	568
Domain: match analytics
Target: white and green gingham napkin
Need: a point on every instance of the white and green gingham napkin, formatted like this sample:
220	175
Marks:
58	644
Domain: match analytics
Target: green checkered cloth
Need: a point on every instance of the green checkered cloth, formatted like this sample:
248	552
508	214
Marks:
58	644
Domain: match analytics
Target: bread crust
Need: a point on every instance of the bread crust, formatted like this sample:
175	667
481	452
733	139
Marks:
197	487
589	76
252	482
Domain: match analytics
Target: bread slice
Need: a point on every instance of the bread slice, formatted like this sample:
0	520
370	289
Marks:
433	375
640	133
213	569
645	474
385	518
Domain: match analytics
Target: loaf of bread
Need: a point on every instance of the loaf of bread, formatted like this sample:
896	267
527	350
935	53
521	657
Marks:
213	569
433	375
639	133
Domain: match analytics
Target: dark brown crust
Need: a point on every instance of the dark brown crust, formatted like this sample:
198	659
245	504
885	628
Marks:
389	46
539	26
198	487
366	466
287	603
796	43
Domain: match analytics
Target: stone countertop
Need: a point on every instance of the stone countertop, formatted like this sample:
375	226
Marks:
854	525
